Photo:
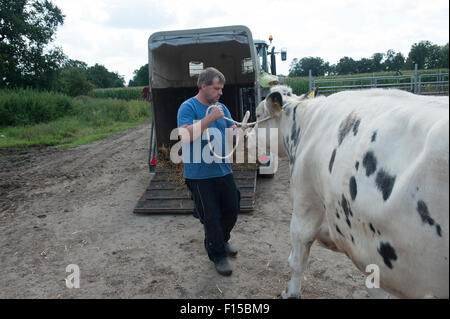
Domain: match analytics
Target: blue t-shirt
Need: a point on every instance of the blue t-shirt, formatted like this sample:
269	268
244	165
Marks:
199	162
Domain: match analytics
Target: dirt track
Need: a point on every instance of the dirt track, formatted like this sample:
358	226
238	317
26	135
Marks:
76	207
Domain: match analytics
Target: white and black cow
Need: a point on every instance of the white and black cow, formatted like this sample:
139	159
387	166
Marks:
369	177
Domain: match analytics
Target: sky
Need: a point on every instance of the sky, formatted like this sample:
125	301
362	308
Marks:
115	33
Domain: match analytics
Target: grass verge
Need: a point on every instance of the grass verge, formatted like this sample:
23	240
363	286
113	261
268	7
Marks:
89	120
62	133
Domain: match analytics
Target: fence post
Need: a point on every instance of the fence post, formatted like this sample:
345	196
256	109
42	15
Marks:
419	86
415	78
310	81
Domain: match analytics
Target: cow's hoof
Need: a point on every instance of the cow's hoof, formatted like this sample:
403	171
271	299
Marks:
286	295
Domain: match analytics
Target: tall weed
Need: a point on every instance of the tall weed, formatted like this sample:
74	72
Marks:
26	106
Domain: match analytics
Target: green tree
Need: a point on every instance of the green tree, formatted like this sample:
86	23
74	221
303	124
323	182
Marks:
26	28
315	64
294	68
377	59
394	61
302	67
346	65
364	65
141	77
102	78
424	54
330	69
76	64
444	57
73	81
433	59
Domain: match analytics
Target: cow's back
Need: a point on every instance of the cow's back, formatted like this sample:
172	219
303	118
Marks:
383	157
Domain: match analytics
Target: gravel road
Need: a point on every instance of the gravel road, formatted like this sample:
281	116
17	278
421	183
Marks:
64	207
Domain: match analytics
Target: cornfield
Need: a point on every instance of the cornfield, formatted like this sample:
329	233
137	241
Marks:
129	93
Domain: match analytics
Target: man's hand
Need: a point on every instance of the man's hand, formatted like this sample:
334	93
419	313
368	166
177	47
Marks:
216	112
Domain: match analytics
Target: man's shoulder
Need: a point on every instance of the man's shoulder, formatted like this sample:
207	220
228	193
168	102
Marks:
190	102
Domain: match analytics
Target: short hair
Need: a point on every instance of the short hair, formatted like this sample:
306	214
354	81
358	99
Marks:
208	75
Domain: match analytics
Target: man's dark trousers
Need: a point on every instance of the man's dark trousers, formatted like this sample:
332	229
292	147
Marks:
217	203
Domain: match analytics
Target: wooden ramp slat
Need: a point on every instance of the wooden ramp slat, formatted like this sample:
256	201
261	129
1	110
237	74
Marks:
182	194
183	206
163	196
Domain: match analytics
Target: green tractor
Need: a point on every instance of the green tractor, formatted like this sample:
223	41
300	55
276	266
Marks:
267	79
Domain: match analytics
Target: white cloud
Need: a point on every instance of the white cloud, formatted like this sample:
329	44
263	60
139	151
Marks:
115	32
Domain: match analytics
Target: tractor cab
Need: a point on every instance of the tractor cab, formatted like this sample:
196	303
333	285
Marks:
267	78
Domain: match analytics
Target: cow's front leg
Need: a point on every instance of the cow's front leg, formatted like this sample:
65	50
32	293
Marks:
304	227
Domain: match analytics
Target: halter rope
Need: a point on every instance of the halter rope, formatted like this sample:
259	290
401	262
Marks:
242	124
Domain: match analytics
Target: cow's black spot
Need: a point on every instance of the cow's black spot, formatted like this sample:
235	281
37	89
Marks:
422	208
295	113
337	214
330	166
374	137
357	165
295	134
370	163
290	151
294	139
345	205
286	143
385	183
353	187
346	126
387	252
353	239
356	126
348	222
378	232
372	228
438	230
339	231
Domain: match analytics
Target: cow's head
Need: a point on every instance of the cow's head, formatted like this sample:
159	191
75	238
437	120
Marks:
280	106
270	107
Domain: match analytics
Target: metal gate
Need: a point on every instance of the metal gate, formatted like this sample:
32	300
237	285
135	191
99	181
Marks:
425	84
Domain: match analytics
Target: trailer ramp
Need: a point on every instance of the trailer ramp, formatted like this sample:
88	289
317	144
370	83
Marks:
166	196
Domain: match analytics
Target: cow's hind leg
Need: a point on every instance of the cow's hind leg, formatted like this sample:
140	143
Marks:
304	228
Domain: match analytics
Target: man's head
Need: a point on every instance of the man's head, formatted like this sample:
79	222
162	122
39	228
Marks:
210	84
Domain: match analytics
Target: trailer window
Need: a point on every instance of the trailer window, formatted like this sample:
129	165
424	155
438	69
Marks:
195	68
247	65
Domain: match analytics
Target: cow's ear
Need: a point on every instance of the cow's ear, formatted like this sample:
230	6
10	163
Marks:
313	93
274	101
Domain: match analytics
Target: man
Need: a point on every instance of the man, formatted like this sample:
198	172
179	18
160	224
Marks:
216	197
